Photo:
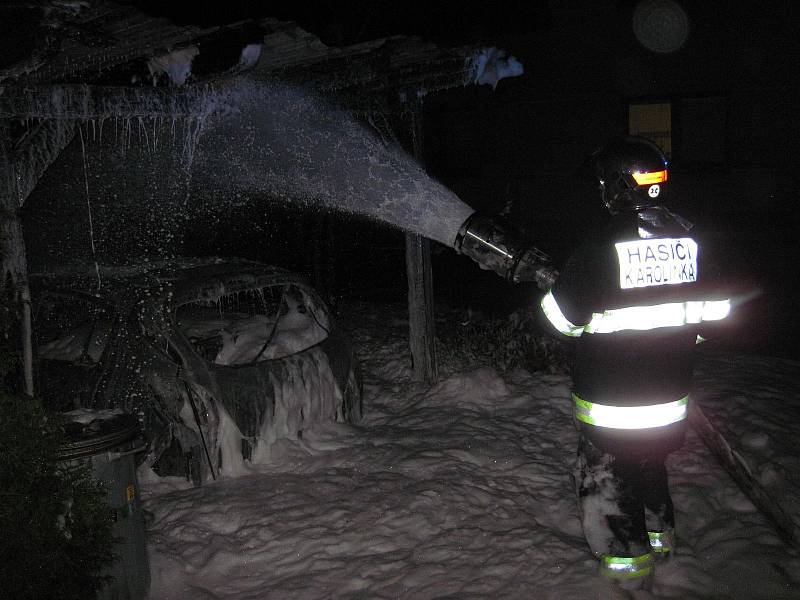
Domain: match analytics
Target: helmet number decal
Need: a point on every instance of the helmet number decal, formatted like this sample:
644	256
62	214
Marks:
657	261
654	190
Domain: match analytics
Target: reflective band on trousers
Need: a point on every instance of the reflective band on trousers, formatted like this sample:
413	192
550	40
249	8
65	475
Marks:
630	417
641	318
657	542
627	567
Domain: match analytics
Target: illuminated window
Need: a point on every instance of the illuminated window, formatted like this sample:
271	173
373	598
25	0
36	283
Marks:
653	121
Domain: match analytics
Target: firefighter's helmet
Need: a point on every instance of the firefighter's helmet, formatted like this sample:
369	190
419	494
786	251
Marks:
633	174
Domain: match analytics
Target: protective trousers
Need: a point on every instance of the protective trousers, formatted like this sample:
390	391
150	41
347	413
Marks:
626	510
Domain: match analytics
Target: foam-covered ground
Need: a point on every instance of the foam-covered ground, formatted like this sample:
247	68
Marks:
461	490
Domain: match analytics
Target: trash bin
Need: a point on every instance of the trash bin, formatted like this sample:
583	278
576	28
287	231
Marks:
109	440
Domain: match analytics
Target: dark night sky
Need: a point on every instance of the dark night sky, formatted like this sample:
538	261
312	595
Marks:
343	22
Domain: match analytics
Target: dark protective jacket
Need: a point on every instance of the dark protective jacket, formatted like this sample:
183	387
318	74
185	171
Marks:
636	299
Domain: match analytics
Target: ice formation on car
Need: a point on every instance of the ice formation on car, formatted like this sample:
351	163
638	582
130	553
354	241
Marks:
87	340
240	338
305	394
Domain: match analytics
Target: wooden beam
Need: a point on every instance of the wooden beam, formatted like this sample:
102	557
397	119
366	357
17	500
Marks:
79	102
95	38
358	74
382	67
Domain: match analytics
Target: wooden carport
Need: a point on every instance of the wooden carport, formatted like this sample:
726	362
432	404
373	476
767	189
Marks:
91	63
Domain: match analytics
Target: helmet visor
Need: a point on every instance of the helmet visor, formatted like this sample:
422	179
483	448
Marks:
650	178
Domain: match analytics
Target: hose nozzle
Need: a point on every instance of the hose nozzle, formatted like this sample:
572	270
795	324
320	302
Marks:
489	243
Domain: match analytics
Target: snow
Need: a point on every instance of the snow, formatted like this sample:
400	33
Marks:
462	490
250	55
490	65
177	65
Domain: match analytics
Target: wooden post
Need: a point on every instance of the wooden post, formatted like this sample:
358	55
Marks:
421	323
14	267
20	170
27	338
14	275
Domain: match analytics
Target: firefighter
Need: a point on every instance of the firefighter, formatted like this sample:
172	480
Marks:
635	299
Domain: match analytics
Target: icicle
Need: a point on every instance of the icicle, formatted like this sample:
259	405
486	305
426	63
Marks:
143	130
155	132
126	143
89	209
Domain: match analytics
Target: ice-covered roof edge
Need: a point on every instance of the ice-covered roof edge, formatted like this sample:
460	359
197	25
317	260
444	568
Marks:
489	65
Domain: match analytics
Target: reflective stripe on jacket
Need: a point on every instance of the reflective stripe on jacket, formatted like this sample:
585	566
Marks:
639	318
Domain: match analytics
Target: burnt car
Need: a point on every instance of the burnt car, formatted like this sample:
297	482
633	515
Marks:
217	358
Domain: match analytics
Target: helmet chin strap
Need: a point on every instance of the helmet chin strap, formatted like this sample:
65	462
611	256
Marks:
604	198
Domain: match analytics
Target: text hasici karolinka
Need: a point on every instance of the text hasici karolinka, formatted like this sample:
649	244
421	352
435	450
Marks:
644	263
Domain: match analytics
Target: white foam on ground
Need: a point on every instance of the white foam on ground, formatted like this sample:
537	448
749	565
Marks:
462	489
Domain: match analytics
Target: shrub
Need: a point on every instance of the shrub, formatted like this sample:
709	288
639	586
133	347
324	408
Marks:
515	340
56	526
